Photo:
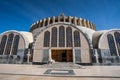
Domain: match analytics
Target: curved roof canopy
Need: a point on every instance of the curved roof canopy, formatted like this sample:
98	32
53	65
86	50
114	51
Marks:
62	18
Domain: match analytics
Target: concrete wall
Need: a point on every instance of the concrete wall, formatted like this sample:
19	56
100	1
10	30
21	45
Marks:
103	46
22	47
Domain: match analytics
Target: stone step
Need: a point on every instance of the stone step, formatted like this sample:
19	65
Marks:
63	65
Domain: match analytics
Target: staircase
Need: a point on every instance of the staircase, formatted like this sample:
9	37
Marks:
61	65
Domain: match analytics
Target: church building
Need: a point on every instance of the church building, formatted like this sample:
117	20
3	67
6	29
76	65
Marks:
61	39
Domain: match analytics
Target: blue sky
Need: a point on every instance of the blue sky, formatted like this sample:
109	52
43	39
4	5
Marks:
20	14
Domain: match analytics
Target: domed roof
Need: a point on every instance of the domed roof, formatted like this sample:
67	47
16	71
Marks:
87	31
27	36
62	18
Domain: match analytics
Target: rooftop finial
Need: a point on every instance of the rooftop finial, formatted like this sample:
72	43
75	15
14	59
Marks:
62	14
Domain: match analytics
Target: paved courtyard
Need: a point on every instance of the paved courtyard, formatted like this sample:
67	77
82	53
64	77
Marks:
38	72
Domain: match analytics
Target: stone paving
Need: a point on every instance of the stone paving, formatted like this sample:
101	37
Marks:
66	72
19	77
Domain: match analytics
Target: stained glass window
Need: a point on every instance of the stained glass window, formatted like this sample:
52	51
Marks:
117	38
61	36
2	44
76	39
54	37
111	45
9	43
15	44
69	37
46	39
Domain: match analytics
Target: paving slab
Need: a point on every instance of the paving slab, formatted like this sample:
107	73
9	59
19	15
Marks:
25	72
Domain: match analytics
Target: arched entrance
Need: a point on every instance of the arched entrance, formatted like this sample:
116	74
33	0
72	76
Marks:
62	55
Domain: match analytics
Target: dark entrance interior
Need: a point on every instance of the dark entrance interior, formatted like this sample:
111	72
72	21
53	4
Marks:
62	55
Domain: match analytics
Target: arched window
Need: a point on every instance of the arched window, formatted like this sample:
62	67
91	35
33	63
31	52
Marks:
9	43
51	21
15	44
78	21
56	19
111	45
69	37
117	38
61	36
54	37
77	39
46	22
72	21
83	22
46	39
2	44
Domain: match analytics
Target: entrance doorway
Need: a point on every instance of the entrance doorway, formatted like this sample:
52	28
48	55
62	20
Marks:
62	55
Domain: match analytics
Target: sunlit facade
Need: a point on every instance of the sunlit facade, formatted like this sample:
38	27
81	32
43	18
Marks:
61	39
